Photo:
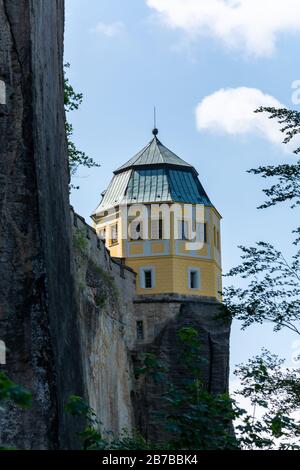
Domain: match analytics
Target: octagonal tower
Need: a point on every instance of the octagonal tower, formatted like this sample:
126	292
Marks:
181	255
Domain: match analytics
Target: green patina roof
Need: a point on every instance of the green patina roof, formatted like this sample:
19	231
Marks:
155	153
155	174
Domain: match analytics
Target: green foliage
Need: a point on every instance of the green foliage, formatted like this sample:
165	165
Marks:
273	290
93	436
108	282
275	392
100	300
11	392
107	288
287	187
72	101
151	367
198	420
80	242
76	406
272	294
195	419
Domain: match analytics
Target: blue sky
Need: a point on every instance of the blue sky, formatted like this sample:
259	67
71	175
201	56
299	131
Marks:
183	55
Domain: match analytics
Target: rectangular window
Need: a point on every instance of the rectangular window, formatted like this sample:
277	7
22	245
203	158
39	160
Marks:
114	234
148	279
184	230
160	229
205	232
194	279
140	330
102	234
218	240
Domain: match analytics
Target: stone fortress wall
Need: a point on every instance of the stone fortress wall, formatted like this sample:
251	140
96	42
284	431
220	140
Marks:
109	312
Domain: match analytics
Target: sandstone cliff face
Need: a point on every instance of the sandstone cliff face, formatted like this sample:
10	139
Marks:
106	292
164	316
38	312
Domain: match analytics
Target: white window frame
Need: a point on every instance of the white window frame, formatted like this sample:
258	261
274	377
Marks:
142	277
198	272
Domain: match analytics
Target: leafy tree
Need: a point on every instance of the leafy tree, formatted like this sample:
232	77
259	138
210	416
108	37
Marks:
195	419
11	392
287	187
93	436
272	294
72	101
198	420
275	392
273	287
273	290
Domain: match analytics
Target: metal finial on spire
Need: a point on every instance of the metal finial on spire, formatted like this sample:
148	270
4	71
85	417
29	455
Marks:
155	130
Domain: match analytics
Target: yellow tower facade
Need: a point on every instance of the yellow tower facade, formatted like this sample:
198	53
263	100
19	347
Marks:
156	216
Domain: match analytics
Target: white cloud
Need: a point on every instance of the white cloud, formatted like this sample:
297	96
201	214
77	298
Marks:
231	111
250	25
109	30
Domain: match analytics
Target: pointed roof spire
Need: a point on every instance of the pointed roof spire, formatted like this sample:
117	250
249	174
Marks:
155	153
155	130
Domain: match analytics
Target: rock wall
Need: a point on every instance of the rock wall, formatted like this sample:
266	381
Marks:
107	290
163	316
38	308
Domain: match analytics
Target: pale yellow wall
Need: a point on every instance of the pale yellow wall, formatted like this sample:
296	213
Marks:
116	250
171	275
171	271
164	273
184	249
157	247
136	248
208	279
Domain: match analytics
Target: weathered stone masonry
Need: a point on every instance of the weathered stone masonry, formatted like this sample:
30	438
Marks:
106	292
164	316
39	314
